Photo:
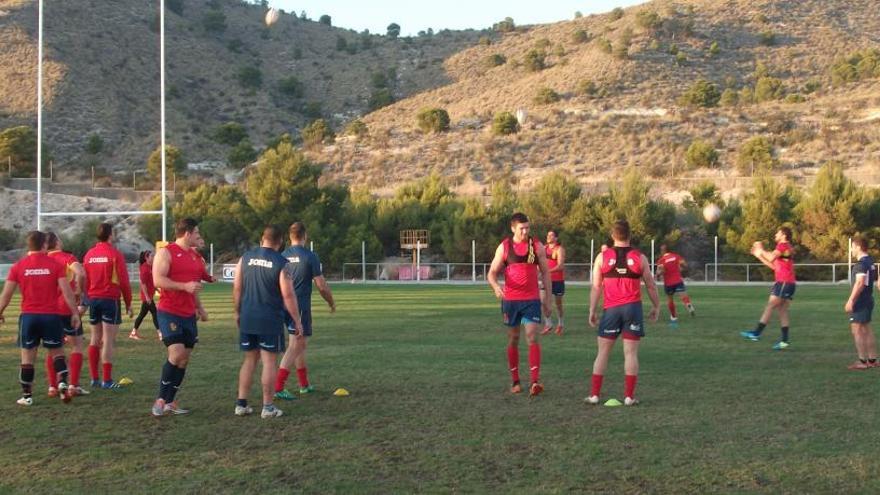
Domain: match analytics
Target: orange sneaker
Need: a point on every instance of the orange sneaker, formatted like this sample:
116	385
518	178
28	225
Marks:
53	392
559	330
536	389
516	388
858	365
547	329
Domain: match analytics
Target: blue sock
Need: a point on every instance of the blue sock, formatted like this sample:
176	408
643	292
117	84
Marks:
176	380
785	334
166	381
241	402
760	328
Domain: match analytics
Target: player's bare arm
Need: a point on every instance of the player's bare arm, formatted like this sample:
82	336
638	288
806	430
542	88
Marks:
70	300
326	294
494	268
289	297
652	290
545	276
200	309
857	289
595	290
161	266
236	293
5	297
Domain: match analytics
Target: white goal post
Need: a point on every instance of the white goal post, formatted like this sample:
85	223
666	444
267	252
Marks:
40	212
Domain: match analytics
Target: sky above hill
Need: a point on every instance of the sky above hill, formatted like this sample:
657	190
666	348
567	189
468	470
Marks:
415	16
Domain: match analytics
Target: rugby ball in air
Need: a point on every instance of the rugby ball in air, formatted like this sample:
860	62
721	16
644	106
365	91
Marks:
711	213
272	17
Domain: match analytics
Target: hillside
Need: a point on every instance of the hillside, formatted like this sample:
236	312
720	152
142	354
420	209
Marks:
102	75
635	117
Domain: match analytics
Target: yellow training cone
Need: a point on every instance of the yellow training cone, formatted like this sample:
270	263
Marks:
341	392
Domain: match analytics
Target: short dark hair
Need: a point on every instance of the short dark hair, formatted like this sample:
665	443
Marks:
142	256
104	231
51	240
786	231
518	217
272	233
555	232
185	225
664	247
35	240
861	242
297	231
620	230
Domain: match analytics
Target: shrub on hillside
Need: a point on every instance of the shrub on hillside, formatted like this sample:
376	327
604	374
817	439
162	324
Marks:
701	94
357	128
681	58
621	51
767	38
484	41
174	161
242	154
864	64
701	154
587	88
729	98
317	133
542	44
616	14
214	21
94	144
495	60
714	49
768	88
291	86
250	77
380	98
18	146
230	133
325	20
434	120
393	30
546	96
504	123
341	44
604	45
534	60
755	155
580	36
505	26
648	20
795	98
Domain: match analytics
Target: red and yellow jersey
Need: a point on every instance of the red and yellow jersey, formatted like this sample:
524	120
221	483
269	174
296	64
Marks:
621	276
67	260
671	263
37	277
106	273
148	288
553	262
185	265
783	265
521	269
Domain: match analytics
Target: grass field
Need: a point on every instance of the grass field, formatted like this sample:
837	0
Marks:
430	412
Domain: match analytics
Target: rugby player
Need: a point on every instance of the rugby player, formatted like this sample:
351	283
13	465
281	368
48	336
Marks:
860	305
669	267
781	261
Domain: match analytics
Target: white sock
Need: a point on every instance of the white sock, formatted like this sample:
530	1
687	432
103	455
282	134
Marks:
560	322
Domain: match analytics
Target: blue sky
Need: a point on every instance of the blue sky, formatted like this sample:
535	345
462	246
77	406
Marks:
415	16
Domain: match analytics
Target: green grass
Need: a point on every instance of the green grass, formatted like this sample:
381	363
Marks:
429	411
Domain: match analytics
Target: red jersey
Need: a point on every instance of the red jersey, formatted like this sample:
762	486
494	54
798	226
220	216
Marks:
185	266
205	275
145	272
553	262
107	273
67	260
671	264
37	277
621	276
783	265
521	270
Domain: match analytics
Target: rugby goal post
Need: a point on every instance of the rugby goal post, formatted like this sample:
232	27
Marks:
40	212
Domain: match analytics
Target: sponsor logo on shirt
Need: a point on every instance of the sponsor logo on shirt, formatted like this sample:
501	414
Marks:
99	259
293	259
259	262
37	271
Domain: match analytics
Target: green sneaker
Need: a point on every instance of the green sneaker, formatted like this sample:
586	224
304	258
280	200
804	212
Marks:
284	395
306	390
781	345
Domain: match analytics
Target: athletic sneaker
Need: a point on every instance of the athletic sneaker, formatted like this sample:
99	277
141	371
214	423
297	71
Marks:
548	327
629	401
77	390
243	410
750	335
96	383
535	389
284	395
691	310
858	365
592	400
559	330
673	323
516	388
110	385
25	401
306	390
781	345
134	335
174	408
158	409
64	392
53	392
271	412
875	364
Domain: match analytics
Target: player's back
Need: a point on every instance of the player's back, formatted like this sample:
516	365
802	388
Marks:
671	263
37	277
101	264
866	266
66	260
621	276
304	267
261	297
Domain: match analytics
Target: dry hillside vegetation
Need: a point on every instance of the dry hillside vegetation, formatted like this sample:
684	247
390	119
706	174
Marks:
635	116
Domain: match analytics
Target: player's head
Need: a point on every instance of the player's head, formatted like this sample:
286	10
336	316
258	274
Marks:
188	229
664	249
36	240
620	231
104	232
519	225
272	237
145	257
53	242
860	244
783	234
297	233
552	237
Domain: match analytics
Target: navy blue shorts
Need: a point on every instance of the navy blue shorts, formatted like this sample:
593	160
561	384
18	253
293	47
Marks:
558	288
105	311
784	290
33	328
626	319
672	289
305	315
255	342
862	312
518	313
178	330
68	329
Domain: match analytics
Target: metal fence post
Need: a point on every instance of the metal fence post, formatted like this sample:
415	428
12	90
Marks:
716	259
364	261
473	260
